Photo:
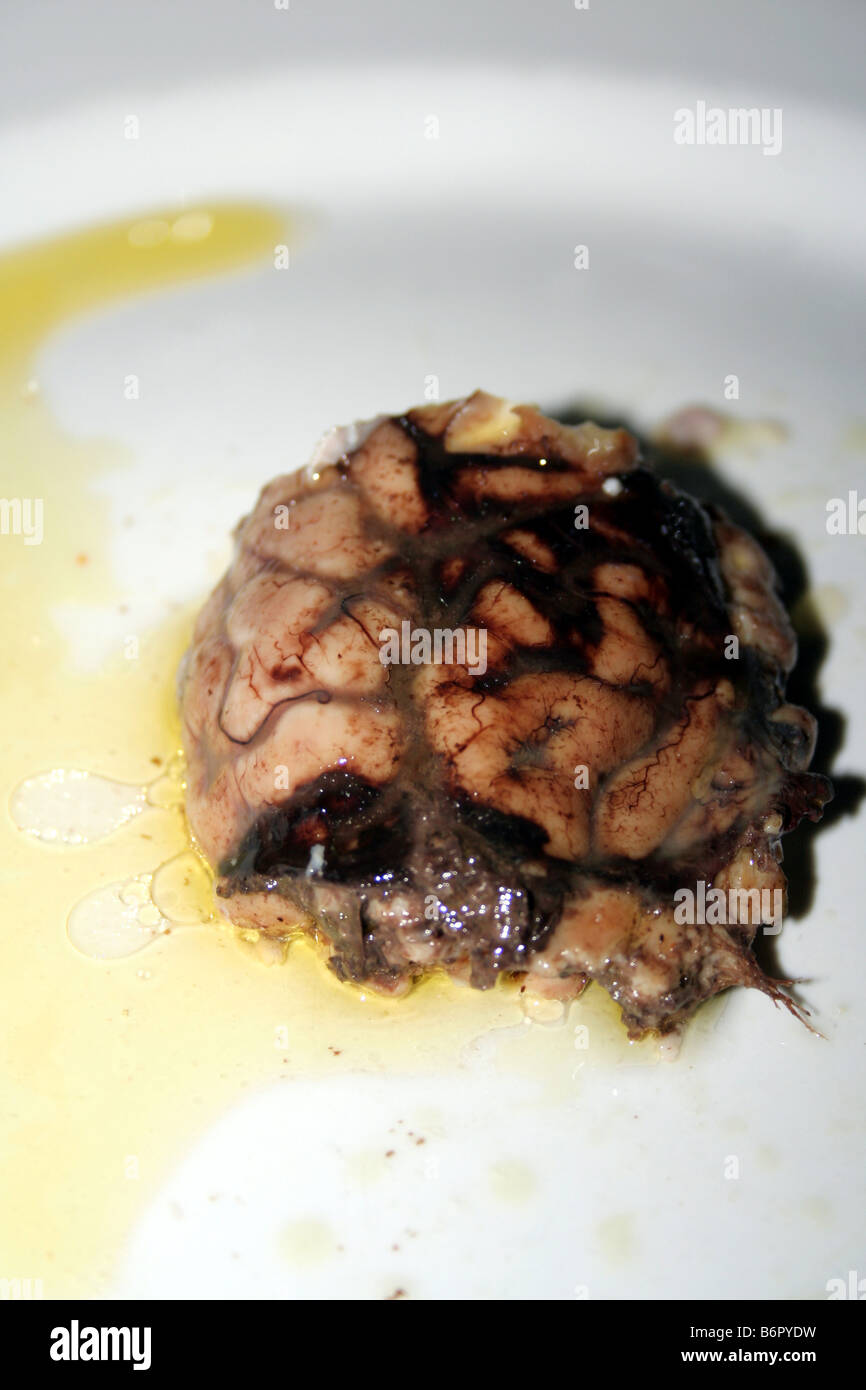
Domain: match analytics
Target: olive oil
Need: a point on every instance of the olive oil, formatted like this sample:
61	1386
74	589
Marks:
111	1067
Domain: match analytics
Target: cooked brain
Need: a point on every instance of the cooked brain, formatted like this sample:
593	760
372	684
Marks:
480	692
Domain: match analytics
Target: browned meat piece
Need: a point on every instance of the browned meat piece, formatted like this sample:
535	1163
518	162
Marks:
585	715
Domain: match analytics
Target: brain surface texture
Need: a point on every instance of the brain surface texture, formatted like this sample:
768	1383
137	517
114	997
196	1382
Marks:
480	692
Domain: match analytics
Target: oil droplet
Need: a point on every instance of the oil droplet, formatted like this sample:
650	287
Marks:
182	890
116	920
166	791
69	807
552	1013
121	918
192	226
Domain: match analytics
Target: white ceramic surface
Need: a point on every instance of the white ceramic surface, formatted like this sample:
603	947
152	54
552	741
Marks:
454	257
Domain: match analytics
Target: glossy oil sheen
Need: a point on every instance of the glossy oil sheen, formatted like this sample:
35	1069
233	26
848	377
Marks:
111	1069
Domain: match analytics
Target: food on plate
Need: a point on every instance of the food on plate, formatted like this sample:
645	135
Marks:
479	691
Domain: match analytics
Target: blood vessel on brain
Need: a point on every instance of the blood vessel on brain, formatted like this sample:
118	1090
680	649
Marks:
343	796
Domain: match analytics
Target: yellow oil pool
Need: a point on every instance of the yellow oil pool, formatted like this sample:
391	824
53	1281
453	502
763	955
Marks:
109	1069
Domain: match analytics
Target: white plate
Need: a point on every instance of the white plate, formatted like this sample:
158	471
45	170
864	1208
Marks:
453	258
